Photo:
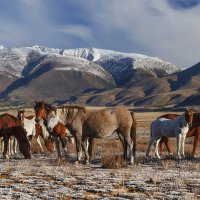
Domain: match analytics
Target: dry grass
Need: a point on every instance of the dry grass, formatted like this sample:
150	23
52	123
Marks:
109	176
113	162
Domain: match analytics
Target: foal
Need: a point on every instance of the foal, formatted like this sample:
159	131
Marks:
171	128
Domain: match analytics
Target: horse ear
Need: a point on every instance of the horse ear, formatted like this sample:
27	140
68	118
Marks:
187	110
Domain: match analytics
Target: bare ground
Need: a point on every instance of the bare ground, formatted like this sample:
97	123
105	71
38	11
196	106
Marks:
43	177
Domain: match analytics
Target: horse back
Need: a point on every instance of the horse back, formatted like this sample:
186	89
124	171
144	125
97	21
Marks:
7	120
104	122
169	116
163	127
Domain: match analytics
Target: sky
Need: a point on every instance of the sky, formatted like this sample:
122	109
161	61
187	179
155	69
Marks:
168	29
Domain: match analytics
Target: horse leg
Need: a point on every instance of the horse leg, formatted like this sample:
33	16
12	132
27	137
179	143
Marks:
57	147
128	140
178	138
78	147
85	149
64	145
124	144
151	141
156	148
90	148
39	143
183	144
167	146
163	140
6	141
15	146
196	142
1	145
11	145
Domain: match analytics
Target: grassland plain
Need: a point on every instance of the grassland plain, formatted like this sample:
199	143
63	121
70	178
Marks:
107	177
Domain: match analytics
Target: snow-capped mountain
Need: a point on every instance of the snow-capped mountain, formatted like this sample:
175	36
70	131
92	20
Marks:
121	66
14	62
39	72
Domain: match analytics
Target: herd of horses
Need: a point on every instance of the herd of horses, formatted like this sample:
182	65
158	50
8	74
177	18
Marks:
58	125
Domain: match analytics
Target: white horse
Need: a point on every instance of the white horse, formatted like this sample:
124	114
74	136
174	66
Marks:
29	125
171	128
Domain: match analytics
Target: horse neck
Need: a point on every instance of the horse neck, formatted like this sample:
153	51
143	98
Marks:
45	133
182	120
61	116
29	125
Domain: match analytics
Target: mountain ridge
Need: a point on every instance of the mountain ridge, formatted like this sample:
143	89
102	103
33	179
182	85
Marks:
91	76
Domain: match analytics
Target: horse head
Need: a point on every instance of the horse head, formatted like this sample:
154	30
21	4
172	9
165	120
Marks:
20	116
72	112
40	111
24	145
189	116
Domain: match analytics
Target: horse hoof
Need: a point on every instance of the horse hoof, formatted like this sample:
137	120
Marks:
86	162
77	162
6	157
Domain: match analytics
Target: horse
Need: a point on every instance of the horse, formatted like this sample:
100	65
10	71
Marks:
194	130
171	128
35	130
10	126
84	124
12	145
59	132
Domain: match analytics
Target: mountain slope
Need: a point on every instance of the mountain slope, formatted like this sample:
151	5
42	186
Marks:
94	77
49	76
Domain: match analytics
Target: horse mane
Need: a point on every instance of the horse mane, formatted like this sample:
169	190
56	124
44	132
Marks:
80	108
197	115
46	105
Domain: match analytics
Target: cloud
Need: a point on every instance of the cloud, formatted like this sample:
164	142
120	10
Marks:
183	4
168	29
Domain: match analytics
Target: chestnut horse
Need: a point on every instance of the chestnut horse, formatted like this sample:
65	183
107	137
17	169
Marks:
10	126
84	124
59	131
35	130
194	130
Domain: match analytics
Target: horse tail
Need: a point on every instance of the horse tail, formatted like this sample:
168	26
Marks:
133	132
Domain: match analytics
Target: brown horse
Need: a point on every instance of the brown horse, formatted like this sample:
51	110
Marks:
59	131
84	124
10	125
36	130
194	130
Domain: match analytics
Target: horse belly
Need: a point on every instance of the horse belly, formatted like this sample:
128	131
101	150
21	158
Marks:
100	131
168	130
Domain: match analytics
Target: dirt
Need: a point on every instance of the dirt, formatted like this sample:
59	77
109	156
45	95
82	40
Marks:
42	177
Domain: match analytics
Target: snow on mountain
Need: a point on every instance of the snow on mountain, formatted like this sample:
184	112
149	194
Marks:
122	66
117	63
13	62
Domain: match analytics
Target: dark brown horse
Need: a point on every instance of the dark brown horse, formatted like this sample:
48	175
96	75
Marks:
84	124
194	130
10	125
